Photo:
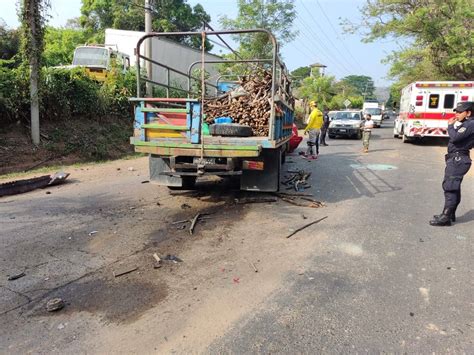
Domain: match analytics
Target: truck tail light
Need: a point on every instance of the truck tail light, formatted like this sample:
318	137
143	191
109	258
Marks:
419	103
419	98
464	98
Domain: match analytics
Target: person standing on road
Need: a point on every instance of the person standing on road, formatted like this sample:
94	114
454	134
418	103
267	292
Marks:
458	161
324	128
367	131
313	129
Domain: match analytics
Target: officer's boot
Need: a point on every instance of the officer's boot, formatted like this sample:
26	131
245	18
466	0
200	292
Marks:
444	219
453	215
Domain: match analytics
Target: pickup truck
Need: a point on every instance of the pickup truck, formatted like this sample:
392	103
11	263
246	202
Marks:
183	147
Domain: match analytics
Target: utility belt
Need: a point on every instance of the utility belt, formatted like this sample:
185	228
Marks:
457	155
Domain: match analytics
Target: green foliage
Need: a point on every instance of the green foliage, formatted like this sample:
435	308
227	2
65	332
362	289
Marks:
441	32
169	16
319	89
360	85
60	44
276	16
9	42
299	74
33	19
66	94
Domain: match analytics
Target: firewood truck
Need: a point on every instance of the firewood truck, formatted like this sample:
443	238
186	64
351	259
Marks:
426	107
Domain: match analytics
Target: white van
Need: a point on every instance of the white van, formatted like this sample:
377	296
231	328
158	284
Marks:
372	107
426	107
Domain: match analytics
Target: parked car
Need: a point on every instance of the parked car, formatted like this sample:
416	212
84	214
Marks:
347	124
295	139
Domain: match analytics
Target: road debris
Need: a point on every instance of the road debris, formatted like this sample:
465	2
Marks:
26	185
157	263
55	304
131	168
185	206
145	181
92	233
236	280
254	267
124	270
245	200
298	181
173	258
305	226
301	200
16	276
193	223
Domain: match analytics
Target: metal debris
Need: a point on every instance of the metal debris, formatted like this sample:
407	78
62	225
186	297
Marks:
173	258
21	186
297	181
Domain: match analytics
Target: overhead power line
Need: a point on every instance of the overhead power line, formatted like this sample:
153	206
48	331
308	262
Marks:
323	43
337	36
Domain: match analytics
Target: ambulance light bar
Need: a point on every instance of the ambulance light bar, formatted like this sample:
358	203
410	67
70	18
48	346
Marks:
444	85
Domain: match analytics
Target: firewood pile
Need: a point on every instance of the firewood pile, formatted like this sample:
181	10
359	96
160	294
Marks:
248	104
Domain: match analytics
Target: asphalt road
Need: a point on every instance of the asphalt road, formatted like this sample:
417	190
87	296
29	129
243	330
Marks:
372	277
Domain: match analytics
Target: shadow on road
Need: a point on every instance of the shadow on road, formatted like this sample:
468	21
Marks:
466	217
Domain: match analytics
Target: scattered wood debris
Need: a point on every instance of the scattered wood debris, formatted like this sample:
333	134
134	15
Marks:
16	276
124	270
305	226
157	263
25	185
245	200
298	180
55	304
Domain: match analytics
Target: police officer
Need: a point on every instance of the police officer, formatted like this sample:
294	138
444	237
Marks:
458	162
324	128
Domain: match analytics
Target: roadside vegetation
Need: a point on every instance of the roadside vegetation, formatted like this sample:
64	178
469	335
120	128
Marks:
92	121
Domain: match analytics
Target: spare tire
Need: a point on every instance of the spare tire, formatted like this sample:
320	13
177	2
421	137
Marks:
230	130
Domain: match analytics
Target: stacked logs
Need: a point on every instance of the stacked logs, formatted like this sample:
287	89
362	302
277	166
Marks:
249	104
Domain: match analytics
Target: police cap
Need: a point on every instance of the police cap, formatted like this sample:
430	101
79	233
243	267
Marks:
464	106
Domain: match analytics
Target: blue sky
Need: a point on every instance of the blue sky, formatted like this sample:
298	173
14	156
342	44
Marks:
320	38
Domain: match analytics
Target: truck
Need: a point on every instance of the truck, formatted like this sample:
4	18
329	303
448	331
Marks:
372	107
184	145
426	107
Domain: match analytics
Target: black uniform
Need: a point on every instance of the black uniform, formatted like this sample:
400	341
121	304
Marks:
458	161
324	128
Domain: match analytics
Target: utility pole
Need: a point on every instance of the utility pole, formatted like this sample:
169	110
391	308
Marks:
148	48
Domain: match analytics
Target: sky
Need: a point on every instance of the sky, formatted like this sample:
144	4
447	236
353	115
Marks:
321	38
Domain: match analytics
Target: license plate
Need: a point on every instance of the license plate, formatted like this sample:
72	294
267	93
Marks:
342	130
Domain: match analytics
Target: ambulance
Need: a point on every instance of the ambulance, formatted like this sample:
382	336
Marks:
426	107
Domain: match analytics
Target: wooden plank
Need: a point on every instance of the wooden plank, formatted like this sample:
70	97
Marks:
167	151
165	126
196	146
163	110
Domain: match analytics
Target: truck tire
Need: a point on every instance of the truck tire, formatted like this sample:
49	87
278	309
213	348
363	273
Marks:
405	139
230	130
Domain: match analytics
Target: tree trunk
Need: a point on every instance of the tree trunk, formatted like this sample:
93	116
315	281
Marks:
33	7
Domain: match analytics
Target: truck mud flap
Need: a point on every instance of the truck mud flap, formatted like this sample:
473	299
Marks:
262	173
157	167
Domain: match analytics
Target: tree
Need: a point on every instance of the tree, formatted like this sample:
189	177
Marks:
276	16
299	74
439	30
168	16
362	85
33	14
60	44
9	42
319	89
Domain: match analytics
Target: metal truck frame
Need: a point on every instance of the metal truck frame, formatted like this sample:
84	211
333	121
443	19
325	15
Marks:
170	129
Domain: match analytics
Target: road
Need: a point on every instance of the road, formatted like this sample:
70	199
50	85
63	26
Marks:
372	277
